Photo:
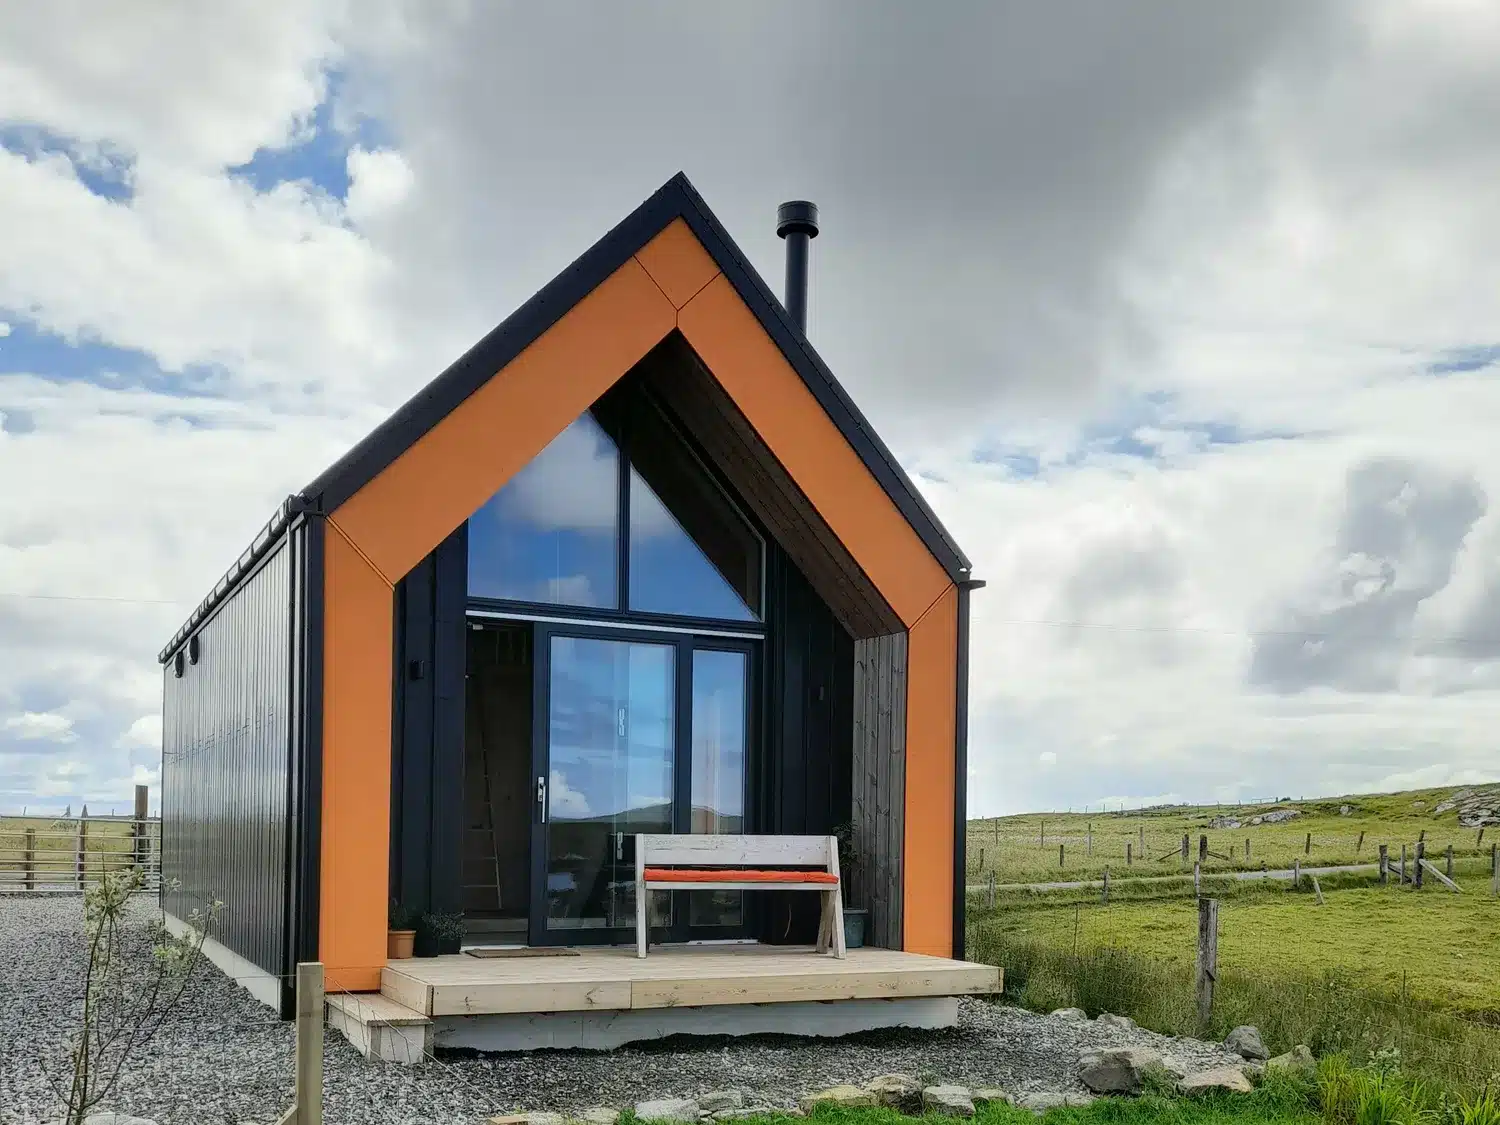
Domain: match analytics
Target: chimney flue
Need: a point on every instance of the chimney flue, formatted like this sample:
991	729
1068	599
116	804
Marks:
797	222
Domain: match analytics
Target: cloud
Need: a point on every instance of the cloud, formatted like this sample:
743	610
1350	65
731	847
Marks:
1047	758
31	726
143	734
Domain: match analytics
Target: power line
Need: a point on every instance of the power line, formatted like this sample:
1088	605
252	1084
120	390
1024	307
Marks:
92	598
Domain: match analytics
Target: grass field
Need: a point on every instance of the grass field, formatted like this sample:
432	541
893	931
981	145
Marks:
1025	848
54	847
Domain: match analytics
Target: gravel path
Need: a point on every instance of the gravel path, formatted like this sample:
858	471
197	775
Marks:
223	1058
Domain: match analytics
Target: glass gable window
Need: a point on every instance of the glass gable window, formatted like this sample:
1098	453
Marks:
550	535
553	535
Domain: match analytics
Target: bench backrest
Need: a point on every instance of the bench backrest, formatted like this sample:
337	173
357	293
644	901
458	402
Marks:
738	851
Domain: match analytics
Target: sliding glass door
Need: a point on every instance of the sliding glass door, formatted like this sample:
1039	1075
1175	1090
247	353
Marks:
640	732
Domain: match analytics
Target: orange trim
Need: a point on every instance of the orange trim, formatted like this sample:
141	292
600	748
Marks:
358	621
736	874
931	744
749	365
677	262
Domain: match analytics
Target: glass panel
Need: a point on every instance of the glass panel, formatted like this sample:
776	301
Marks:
691	552
720	735
611	720
550	534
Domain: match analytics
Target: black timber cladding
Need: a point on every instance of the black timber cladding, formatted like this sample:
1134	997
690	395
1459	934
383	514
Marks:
675	199
878	780
227	764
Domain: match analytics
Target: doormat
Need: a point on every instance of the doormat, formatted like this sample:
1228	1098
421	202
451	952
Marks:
521	951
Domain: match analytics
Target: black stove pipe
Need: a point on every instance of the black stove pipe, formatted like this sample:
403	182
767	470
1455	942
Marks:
797	222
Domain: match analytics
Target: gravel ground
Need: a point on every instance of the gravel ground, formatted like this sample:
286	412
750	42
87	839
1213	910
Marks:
223	1058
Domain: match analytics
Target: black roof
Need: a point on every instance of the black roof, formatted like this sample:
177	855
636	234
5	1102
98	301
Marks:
675	199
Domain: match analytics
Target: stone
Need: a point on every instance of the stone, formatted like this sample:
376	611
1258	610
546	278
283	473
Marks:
1230	1078
1276	816
1119	1023
1174	1067
116	1119
1043	1100
718	1100
1075	1014
948	1101
737	1114
1246	1042
668	1111
1224	822
533	1117
848	1097
1346	810
990	1095
600	1115
1299	1060
1119	1070
897	1091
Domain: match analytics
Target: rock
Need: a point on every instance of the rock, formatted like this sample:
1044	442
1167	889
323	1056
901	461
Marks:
1224	822
668	1111
990	1095
1044	1100
849	1097
1299	1060
1419	804
897	1091
534	1117
948	1101
718	1100
1228	1078
1277	816
1119	1023
1444	806
600	1115
1346	810
116	1119
1246	1042
739	1114
1478	818
1120	1070
1070	1014
1174	1067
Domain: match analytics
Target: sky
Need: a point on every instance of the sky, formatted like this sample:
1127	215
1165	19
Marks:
1184	317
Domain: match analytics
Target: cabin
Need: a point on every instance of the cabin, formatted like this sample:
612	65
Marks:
635	564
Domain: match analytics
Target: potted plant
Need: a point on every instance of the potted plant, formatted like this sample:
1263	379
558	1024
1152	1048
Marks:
439	933
401	931
854	916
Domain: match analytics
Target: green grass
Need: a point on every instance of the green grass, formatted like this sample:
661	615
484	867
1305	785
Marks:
1439	947
1024	848
55	849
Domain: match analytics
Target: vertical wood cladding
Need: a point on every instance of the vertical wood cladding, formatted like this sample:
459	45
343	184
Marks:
227	766
879	783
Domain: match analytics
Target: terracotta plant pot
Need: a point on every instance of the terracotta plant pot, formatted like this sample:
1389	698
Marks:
398	944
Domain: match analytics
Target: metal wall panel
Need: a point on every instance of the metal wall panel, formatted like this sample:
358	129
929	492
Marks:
226	766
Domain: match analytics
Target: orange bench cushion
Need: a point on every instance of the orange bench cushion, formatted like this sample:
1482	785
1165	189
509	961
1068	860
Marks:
737	875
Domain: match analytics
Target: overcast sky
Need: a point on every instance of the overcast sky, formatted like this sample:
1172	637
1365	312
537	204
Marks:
1185	316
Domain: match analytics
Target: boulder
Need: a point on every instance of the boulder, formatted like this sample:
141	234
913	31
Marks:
600	1115
1224	822
718	1100
1230	1078
1246	1042
1299	1061
849	1097
897	1091
1346	810
1075	1014
1119	1023
1119	1070
990	1095
1043	1100
948	1101
533	1117
668	1111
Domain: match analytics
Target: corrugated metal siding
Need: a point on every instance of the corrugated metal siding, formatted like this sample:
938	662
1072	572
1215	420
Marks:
226	757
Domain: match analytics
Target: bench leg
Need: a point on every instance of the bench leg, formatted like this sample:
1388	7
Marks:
837	898
827	940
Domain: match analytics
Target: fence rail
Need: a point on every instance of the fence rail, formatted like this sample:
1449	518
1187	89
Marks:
68	854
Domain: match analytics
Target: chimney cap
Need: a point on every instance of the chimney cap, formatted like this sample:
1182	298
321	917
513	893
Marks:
797	217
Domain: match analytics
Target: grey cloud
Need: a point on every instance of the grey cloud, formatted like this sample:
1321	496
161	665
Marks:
980	165
1396	545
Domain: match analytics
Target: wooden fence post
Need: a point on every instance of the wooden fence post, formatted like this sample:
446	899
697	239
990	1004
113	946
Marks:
990	894
1142	838
1059	855
1197	880
1296	874
1360	845
1421	854
29	878
1422	836
1106	884
1044	834
1494	870
308	1107
1128	858
1247	847
1307	845
1206	967
138	828
1317	890
1449	859
1403	865
83	843
981	857
1184	847
1203	849
1385	865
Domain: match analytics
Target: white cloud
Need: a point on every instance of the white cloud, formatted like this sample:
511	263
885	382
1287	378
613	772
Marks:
33	726
143	734
379	181
4	329
1047	758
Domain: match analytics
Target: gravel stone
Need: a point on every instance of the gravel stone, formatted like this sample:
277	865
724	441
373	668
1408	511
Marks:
223	1058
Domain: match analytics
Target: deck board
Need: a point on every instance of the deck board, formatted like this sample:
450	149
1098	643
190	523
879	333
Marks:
615	979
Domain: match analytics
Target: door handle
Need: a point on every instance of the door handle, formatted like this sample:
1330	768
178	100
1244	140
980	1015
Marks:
541	798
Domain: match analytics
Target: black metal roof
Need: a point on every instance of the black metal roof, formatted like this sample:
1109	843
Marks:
675	199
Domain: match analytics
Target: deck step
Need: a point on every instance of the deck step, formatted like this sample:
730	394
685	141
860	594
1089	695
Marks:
380	1028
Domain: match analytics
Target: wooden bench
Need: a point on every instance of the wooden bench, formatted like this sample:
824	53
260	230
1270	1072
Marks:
741	863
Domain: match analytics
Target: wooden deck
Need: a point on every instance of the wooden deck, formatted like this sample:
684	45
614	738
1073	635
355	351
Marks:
614	979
